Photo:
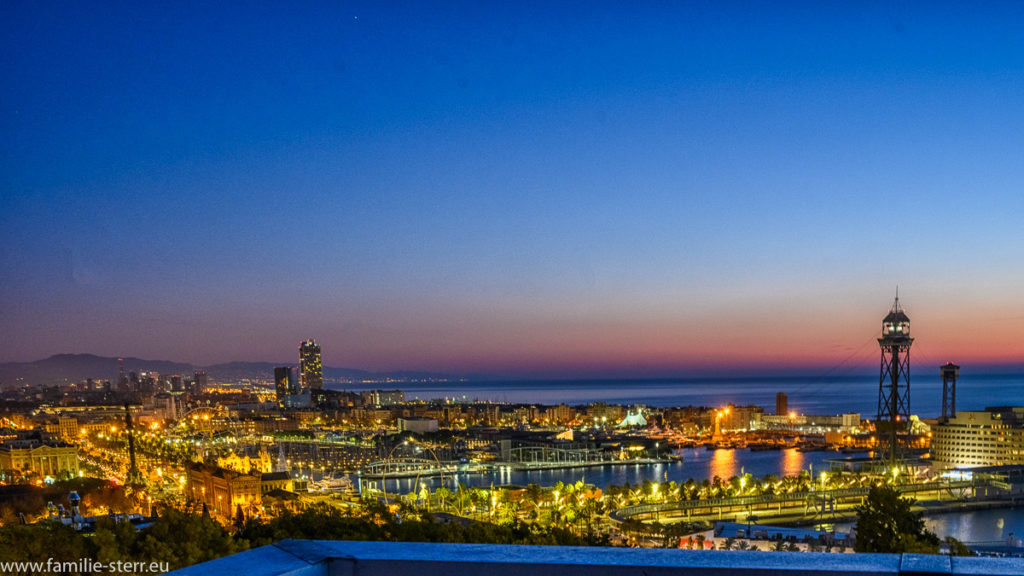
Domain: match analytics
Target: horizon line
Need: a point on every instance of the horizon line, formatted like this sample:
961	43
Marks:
713	371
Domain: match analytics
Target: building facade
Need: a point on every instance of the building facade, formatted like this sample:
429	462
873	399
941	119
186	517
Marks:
418	425
284	385
311	370
990	437
223	490
382	397
781	404
200	382
51	459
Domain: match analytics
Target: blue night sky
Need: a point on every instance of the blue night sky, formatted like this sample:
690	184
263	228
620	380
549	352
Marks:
512	187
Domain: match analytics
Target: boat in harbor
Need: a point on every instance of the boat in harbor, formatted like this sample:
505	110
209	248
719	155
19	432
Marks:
765	447
812	447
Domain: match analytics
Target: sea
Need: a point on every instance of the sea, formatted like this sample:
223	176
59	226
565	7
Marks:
818	395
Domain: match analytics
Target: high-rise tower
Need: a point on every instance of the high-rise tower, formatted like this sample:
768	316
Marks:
200	382
311	372
284	384
950	372
122	377
893	422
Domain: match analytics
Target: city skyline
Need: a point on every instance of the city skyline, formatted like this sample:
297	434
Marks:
513	190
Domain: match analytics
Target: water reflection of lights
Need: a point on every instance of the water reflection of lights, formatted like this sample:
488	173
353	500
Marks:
792	462
696	463
724	464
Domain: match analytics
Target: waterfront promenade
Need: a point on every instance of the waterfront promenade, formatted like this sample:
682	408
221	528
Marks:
426	469
815	506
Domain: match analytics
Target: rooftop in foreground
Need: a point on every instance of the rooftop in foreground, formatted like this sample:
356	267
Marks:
345	558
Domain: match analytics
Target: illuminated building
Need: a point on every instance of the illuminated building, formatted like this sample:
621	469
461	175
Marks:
560	414
246	464
68	428
604	413
991	437
811	424
735	418
382	397
311	371
417	425
271	481
40	457
222	490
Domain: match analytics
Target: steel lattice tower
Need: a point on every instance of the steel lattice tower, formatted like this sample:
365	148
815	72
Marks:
893	422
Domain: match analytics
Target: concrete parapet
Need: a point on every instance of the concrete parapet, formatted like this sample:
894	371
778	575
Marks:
345	558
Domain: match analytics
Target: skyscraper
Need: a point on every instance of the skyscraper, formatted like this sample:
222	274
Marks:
200	382
311	372
284	384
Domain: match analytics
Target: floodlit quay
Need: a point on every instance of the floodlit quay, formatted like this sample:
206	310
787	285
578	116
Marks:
415	468
801	506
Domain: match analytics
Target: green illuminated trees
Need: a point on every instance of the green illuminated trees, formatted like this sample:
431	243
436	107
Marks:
885	523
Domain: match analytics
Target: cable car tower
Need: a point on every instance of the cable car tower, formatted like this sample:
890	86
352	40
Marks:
893	422
950	372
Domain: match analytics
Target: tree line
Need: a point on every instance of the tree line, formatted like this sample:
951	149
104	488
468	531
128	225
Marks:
182	539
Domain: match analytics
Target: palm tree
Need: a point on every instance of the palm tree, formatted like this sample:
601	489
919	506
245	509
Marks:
673	490
462	498
444	497
535	494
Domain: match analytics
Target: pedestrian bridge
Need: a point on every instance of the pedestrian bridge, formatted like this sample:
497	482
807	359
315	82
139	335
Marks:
406	467
552	455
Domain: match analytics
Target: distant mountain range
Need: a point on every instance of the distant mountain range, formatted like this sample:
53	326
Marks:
77	367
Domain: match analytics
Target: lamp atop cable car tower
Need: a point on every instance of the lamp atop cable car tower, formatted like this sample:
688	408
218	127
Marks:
893	422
